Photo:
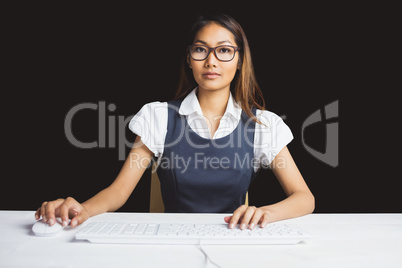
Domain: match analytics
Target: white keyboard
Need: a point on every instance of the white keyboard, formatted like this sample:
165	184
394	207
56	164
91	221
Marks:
191	234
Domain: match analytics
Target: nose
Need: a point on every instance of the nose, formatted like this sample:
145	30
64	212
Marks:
211	60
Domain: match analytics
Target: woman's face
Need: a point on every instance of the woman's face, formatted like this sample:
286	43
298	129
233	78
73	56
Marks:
211	73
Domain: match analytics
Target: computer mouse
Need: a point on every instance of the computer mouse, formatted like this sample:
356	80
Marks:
41	228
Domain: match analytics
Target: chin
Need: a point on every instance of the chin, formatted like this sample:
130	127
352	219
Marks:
211	86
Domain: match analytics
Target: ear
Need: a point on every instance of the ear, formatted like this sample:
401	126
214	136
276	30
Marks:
188	61
239	61
239	64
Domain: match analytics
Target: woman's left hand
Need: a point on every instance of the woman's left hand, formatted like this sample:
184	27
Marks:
248	216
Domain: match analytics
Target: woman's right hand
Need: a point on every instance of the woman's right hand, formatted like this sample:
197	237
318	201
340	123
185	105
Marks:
66	209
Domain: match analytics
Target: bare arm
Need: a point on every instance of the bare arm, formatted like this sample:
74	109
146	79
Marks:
109	199
117	194
300	201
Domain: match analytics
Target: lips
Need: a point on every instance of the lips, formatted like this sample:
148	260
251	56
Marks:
211	75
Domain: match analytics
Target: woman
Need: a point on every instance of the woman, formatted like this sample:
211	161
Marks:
210	141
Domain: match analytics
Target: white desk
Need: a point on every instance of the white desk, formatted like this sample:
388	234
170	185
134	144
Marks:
340	240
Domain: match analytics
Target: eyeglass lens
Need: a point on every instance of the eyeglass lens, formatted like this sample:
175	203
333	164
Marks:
224	53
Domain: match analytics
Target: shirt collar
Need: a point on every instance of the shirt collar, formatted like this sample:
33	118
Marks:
191	105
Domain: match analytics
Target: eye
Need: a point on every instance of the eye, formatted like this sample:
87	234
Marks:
225	50
199	49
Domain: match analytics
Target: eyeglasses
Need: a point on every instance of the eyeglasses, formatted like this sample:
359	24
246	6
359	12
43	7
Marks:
222	53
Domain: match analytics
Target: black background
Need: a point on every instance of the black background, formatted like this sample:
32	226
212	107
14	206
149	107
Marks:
305	57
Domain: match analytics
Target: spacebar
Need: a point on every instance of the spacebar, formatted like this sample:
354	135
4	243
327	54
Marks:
193	241
169	241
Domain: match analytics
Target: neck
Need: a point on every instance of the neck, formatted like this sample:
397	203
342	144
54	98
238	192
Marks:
213	102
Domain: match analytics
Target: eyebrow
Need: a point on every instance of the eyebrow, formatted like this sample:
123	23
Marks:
220	42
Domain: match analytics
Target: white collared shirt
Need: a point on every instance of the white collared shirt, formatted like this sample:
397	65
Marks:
150	123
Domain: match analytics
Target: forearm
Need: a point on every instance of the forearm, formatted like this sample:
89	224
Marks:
296	205
113	197
107	200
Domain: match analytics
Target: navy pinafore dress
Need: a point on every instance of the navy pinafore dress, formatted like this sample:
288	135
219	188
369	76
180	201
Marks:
201	175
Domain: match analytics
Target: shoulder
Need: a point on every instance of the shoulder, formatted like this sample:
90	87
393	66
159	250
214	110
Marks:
157	106
150	123
149	112
271	136
268	118
154	106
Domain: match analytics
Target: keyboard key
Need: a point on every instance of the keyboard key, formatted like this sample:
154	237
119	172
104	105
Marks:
188	233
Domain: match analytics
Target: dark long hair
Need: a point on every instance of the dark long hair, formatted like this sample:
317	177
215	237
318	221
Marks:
244	86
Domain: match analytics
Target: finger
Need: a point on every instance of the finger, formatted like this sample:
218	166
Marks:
68	210
248	214
256	218
71	208
49	213
64	214
80	218
74	207
75	212
50	210
236	216
43	211
264	220
37	214
227	219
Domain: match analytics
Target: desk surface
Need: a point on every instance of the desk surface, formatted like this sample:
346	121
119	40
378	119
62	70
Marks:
340	240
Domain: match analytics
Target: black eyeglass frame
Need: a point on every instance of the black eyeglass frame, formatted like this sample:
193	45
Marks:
210	49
